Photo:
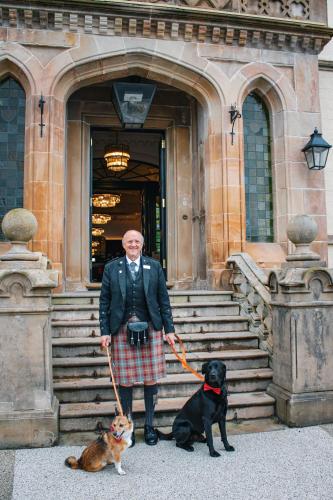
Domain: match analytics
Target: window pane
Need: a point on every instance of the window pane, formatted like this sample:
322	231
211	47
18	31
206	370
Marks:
258	171
12	119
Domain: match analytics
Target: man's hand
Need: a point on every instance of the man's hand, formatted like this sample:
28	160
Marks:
105	341
170	338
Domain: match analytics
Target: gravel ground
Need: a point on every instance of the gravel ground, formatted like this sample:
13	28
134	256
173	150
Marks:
7	460
280	465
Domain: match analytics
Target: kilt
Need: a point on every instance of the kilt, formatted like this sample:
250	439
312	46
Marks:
133	364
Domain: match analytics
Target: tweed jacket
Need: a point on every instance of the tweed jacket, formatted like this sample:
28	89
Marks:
113	296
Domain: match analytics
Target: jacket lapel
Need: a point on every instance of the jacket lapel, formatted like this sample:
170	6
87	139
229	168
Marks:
146	275
122	276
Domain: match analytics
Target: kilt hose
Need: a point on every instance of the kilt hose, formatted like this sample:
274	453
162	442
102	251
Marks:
138	364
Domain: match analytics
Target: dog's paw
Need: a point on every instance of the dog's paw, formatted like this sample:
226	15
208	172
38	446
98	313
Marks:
121	472
214	454
229	448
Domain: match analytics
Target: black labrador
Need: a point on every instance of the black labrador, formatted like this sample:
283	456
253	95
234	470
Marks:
206	407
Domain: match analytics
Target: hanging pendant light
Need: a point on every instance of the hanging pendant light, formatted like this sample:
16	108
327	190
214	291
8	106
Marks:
105	200
97	231
100	218
117	157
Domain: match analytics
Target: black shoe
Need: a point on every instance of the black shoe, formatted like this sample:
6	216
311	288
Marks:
133	439
150	435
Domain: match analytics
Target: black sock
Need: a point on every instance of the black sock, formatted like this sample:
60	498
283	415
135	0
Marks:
150	394
126	398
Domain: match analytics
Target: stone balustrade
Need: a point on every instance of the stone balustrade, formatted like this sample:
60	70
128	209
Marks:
250	285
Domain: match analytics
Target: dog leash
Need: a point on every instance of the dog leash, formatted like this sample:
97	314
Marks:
182	358
114	384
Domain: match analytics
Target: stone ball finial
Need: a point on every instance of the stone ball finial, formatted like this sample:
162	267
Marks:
19	225
302	230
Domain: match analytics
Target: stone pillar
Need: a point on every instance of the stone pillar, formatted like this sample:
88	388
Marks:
302	313
28	408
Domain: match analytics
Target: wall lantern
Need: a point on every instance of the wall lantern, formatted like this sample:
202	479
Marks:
132	102
316	151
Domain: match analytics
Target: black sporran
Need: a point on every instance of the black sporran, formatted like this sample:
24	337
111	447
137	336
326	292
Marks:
137	333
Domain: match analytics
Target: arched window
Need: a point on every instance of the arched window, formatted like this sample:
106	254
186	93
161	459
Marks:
12	120
258	170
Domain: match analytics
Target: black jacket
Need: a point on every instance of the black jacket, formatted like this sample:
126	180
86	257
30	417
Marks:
113	295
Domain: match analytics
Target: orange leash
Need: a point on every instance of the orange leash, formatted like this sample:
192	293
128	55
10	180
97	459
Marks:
114	384
182	358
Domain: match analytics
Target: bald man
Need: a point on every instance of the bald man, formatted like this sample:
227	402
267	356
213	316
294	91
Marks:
134	289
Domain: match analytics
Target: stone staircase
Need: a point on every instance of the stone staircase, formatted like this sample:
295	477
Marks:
211	328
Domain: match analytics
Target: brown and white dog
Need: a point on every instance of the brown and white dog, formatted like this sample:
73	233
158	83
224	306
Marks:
107	449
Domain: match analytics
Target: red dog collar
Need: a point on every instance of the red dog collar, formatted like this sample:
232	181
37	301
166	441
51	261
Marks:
207	387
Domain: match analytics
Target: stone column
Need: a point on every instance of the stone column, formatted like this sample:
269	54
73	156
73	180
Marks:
28	408
302	312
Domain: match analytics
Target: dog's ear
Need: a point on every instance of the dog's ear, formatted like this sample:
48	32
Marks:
204	367
128	416
224	371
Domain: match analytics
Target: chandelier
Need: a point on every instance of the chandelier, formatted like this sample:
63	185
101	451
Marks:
117	157
97	231
100	218
95	244
105	200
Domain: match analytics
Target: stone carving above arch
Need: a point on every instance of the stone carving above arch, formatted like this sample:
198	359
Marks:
221	22
269	82
203	82
17	70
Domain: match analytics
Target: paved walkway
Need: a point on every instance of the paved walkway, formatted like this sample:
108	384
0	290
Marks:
279	465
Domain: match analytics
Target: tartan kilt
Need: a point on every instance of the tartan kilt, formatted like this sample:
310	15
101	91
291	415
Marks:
138	364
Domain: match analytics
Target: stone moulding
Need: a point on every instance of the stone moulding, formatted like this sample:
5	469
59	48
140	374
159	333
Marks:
253	27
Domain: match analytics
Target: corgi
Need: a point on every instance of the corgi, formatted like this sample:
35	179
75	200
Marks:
107	449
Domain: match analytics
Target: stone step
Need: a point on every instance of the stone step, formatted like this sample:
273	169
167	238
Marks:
188	309
95	367
87	328
176	385
90	346
83	417
181	296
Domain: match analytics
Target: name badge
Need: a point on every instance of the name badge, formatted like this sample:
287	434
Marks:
145	266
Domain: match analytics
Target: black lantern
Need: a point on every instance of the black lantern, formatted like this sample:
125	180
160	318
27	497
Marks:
316	151
132	102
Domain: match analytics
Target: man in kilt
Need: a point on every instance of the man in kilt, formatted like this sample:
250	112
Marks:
134	289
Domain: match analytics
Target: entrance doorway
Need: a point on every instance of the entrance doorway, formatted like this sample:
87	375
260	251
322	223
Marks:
166	201
128	199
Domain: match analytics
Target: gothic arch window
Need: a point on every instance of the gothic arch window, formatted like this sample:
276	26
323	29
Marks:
12	122
258	170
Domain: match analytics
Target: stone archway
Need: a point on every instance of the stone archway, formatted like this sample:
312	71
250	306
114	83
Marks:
207	214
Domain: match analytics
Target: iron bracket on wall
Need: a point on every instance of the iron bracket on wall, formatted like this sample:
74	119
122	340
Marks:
234	114
41	106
